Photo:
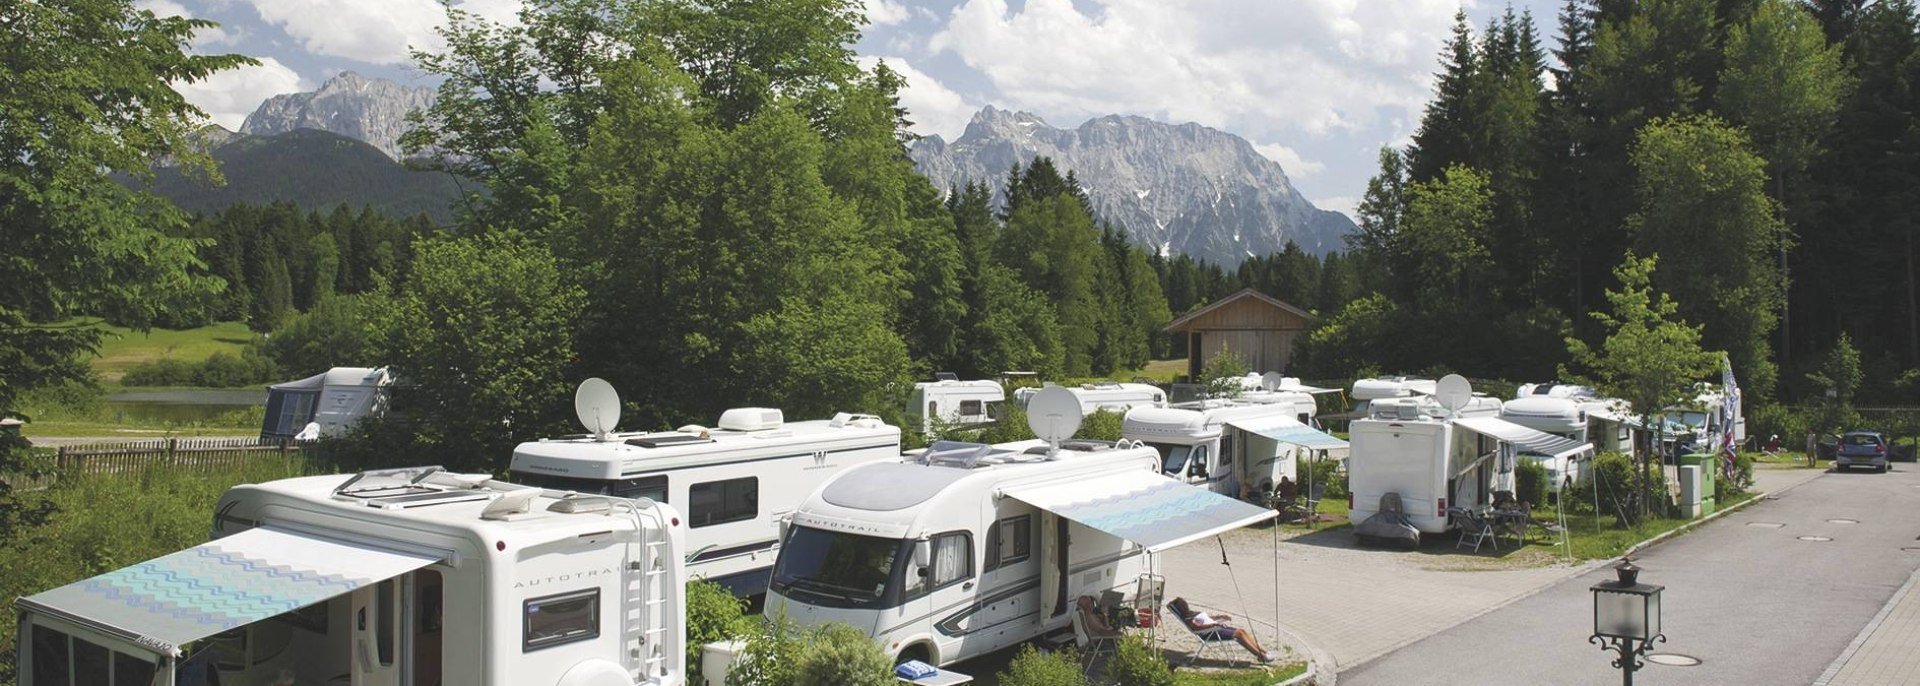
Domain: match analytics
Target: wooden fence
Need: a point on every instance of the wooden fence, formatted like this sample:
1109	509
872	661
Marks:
187	454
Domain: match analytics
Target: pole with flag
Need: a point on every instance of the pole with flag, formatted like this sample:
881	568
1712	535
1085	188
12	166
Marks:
1729	418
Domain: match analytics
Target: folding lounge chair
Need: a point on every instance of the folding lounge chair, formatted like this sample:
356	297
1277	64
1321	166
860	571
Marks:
1207	642
1091	640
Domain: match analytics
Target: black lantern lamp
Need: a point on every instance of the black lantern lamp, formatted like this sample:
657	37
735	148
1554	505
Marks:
1626	618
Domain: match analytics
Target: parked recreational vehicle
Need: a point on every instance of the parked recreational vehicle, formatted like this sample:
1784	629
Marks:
967	548
955	402
1220	444
1365	391
1560	416
1105	395
734	482
1435	459
328	402
409	576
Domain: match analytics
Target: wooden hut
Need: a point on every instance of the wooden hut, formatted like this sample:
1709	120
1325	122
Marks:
1254	325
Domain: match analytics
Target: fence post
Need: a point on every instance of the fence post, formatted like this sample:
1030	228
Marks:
60	459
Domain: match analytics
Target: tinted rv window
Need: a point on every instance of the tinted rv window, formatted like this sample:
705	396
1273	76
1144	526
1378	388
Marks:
654	487
952	558
49	657
838	569
719	502
971	408
1173	458
1009	541
558	619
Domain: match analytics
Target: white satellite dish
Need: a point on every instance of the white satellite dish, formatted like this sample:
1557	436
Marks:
1453	392
598	407
1054	414
1272	381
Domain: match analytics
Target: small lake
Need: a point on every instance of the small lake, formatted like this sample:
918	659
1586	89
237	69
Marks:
183	404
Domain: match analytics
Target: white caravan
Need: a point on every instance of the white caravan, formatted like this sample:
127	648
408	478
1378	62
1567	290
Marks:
390	578
1706	420
1105	395
1365	391
967	548
952	402
1436	459
734	482
325	404
1219	444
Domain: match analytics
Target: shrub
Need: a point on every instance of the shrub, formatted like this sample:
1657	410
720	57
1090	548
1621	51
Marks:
165	371
1613	478
840	655
226	370
1034	668
1103	425
1779	420
713	614
1724	488
1135	663
1012	426
1530	482
336	333
771	656
1325	471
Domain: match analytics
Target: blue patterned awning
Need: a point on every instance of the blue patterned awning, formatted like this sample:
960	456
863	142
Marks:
1144	507
169	601
1289	430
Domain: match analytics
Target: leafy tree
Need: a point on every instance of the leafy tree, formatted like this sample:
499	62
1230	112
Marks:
87	95
482	336
1705	213
1840	377
1222	373
337	332
1651	356
1052	244
1443	237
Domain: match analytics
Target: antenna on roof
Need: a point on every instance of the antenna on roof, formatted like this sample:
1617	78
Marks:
1054	414
598	407
1453	391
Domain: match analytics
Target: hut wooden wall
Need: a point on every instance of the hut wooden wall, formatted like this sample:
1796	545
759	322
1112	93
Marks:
1257	331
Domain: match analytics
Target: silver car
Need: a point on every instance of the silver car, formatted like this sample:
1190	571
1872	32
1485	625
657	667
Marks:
1861	449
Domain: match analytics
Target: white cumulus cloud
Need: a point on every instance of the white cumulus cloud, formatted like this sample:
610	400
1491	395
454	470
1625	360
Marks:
373	31
229	96
933	107
1343	204
885	12
1312	66
1297	167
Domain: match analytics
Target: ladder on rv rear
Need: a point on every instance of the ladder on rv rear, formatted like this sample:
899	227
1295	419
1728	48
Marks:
647	603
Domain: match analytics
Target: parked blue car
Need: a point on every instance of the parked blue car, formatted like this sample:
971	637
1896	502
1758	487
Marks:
1861	449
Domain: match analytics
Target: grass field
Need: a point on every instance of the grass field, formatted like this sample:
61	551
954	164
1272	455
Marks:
1163	371
123	348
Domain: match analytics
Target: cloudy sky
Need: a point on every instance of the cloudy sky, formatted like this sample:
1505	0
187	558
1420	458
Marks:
1317	85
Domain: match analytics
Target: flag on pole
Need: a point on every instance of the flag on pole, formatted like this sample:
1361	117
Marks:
1729	418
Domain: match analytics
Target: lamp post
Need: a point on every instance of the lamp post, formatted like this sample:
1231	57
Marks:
1626	618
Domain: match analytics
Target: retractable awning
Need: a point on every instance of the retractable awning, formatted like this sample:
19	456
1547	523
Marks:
1288	430
1143	507
169	601
1526	439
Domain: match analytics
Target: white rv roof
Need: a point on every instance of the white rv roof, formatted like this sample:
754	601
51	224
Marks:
1144	423
538	524
982	384
337	376
627	454
1392	387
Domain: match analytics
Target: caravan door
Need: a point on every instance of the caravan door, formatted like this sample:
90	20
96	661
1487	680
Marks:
376	634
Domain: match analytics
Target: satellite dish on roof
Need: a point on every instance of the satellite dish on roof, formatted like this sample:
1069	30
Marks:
598	407
1054	414
1453	391
1272	381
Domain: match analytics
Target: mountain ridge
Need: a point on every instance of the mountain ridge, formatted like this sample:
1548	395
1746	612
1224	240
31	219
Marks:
1177	188
373	110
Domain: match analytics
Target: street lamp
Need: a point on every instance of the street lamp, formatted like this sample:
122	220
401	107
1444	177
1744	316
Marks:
1626	612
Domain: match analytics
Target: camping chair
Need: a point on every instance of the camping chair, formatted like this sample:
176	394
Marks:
1473	526
1311	509
1091	636
1178	607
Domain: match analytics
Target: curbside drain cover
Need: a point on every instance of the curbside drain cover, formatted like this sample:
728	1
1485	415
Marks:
1766	525
1673	660
1843	521
1815	538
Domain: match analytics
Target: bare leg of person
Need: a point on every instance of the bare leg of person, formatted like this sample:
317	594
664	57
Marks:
1246	640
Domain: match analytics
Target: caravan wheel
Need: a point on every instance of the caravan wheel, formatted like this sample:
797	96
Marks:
917	651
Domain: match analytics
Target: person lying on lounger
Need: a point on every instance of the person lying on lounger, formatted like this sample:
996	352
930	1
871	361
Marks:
1215	628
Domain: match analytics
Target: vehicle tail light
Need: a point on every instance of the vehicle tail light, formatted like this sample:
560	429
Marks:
1881	448
1442	509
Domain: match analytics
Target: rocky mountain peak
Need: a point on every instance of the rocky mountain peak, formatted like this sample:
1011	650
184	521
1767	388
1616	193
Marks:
1176	188
350	104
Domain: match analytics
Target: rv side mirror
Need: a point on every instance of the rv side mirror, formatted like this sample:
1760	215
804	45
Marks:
922	554
785	524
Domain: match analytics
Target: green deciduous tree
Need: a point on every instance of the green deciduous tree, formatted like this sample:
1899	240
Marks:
1704	211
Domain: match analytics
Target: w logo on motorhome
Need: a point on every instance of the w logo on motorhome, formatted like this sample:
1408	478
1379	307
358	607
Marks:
820	460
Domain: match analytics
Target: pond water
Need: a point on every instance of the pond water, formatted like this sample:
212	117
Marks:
183	404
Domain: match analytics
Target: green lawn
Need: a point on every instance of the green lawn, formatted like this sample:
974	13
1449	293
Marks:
1598	537
123	348
1240	677
1163	371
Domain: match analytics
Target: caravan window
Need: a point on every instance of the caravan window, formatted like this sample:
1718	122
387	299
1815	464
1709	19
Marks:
558	619
62	660
1173	458
1009	541
952	558
971	408
720	502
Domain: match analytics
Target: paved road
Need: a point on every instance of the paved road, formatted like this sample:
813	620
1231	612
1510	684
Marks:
1753	602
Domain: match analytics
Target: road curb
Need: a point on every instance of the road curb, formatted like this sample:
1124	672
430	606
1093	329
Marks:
1833	669
1703	521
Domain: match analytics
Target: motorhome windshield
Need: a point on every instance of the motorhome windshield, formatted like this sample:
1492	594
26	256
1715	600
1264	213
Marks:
1173	458
836	569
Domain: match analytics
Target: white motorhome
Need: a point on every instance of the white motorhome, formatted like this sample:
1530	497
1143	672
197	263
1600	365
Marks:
330	402
1365	391
734	482
387	578
1218	444
1105	395
1706	420
1436	459
954	402
969	548
1558	415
